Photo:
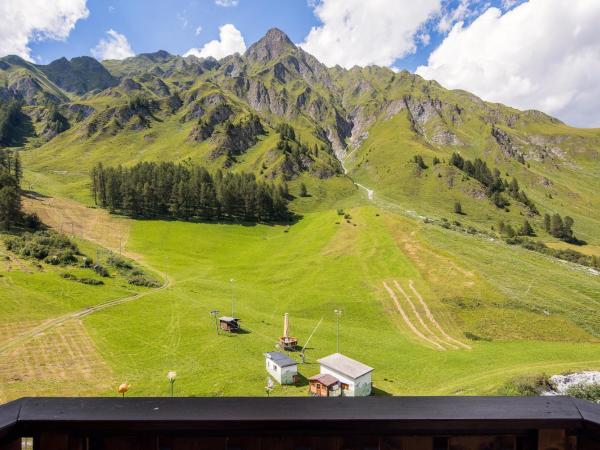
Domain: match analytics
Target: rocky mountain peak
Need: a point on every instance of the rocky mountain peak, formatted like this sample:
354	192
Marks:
158	56
274	44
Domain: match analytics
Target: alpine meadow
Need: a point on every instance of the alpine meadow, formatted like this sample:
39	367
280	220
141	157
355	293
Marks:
449	243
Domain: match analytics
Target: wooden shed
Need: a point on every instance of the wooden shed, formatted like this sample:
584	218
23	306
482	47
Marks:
324	385
230	324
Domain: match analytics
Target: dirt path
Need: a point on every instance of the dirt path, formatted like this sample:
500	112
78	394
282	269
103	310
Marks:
431	334
407	320
93	224
57	321
432	319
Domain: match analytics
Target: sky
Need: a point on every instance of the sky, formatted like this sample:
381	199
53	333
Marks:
538	54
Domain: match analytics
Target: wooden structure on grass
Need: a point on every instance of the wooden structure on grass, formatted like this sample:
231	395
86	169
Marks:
230	324
324	385
353	377
286	341
281	367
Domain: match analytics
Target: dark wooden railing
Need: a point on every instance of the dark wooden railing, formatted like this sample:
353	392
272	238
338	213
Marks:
403	423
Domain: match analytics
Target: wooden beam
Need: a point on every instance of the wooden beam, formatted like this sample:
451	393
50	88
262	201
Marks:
552	439
52	441
14	444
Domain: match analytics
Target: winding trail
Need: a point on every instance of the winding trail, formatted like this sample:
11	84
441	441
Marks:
57	321
53	212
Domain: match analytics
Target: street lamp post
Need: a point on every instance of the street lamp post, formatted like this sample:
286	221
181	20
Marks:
215	314
231	281
338	314
171	375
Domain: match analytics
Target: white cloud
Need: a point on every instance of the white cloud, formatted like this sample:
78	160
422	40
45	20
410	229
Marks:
198	30
543	54
226	3
424	38
359	32
507	4
23	21
115	46
230	41
451	16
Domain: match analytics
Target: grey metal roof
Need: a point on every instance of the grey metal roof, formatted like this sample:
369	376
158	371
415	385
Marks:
345	365
228	319
281	359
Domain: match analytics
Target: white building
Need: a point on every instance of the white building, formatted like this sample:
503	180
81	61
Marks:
354	376
281	367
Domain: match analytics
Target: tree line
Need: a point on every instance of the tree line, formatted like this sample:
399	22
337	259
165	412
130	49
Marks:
561	228
10	122
10	188
493	182
188	192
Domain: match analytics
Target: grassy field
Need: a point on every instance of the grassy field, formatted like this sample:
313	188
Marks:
319	265
514	322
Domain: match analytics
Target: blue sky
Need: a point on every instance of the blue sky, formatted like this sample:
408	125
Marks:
530	54
153	25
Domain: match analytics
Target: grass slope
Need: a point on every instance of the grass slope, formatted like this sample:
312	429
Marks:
318	266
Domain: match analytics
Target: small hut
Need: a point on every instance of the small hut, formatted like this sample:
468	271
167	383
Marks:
286	341
354	376
281	367
324	385
230	324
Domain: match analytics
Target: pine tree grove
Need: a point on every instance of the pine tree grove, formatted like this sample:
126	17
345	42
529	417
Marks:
188	192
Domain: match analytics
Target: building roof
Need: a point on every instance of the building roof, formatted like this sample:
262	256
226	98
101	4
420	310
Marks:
280	359
366	414
228	319
325	378
345	365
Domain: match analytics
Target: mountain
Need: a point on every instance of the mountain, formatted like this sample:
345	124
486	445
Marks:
370	123
27	81
456	234
79	75
160	63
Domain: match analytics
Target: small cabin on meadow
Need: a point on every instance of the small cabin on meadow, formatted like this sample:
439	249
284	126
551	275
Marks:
281	367
230	324
354	376
324	385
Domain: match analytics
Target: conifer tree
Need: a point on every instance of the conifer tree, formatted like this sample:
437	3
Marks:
458	208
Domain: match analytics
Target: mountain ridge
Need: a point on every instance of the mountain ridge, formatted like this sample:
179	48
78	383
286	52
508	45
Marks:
370	121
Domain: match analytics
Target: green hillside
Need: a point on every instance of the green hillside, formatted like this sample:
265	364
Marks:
410	203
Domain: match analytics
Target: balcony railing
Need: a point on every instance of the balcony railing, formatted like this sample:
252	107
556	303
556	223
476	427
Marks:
403	423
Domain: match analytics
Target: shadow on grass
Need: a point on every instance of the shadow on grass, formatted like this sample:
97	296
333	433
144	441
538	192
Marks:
301	380
380	392
294	218
33	195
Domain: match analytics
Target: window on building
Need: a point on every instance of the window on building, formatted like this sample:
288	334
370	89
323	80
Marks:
318	386
345	387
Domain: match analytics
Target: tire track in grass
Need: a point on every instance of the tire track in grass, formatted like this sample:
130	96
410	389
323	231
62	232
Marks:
53	323
431	334
432	319
406	319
